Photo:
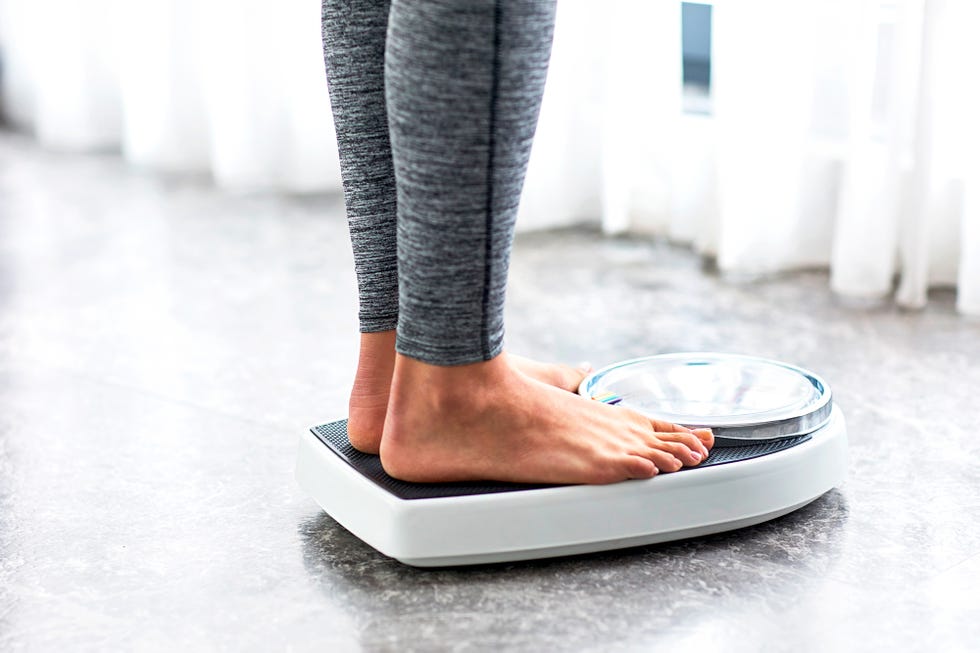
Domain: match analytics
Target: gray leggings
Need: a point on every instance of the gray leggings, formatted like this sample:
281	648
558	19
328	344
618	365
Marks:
435	104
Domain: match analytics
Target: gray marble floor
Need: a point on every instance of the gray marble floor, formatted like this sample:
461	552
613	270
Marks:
162	345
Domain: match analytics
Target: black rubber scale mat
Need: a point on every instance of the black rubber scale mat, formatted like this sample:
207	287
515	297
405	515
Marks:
334	435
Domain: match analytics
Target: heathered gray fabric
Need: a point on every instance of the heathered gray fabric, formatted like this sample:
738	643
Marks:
353	49
463	84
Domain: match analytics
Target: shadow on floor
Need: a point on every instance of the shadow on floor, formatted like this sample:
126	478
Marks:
753	567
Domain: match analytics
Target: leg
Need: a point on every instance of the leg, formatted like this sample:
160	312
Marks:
353	47
464	84
354	33
464	80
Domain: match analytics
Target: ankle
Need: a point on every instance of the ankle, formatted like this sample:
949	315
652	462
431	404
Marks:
444	386
375	360
376	349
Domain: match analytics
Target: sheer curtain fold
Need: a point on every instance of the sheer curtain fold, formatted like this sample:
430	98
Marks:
773	175
234	88
165	125
58	78
841	133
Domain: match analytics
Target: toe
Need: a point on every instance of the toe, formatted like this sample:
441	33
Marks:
566	377
682	452
665	461
706	436
637	467
667	427
690	441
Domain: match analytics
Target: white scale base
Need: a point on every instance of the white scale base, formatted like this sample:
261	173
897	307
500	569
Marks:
558	521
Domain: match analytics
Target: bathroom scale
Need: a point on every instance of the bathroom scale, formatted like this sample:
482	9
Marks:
780	443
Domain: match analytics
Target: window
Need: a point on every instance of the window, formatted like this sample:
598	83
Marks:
696	56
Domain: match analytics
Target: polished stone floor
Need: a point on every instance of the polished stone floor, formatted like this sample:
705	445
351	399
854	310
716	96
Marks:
162	345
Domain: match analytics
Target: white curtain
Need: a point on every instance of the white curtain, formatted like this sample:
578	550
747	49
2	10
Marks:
231	87
841	133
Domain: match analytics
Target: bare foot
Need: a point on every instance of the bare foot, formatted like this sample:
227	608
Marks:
565	377
376	364
489	421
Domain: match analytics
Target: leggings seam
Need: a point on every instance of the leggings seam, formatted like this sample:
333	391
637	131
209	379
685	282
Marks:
491	155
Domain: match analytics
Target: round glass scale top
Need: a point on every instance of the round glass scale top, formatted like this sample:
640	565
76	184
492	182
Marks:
739	397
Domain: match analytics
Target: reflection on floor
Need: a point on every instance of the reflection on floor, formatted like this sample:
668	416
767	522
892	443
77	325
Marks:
163	344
